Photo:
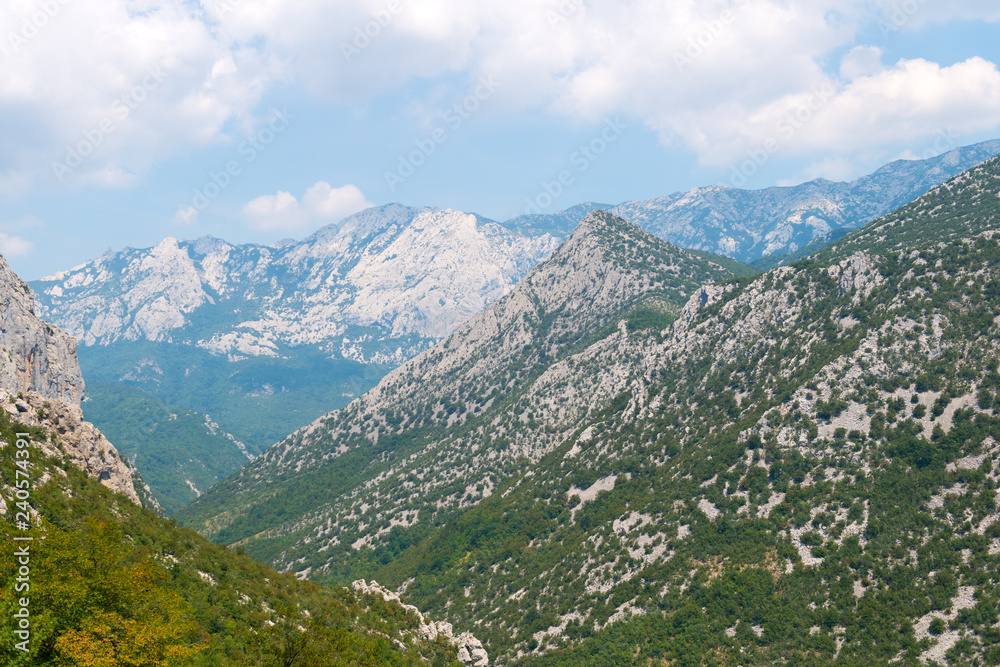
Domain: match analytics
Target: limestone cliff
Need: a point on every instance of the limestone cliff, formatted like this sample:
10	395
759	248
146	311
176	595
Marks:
41	385
37	356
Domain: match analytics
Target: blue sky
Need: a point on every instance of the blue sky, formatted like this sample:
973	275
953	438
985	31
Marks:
126	121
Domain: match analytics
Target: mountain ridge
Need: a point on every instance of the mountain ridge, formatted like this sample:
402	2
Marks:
556	301
267	338
798	466
751	224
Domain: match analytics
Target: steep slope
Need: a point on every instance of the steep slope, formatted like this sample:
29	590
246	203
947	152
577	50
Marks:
962	207
112	584
446	429
89	577
41	385
36	356
801	468
750	224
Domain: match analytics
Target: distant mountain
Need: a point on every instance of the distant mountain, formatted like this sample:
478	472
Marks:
750	224
560	224
386	273
795	468
777	225
264	339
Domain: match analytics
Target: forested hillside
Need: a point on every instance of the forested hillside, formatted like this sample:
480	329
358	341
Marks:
113	584
795	467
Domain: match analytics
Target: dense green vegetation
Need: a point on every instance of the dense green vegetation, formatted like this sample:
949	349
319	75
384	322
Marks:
170	445
798	468
275	395
153	400
113	584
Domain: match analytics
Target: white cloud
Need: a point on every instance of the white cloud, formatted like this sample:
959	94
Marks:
914	98
186	216
15	246
911	101
716	77
108	87
861	61
321	204
329	203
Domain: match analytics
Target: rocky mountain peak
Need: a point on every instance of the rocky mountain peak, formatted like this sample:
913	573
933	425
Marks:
750	225
401	271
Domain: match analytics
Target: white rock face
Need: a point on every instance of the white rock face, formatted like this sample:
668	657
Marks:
404	272
470	649
34	356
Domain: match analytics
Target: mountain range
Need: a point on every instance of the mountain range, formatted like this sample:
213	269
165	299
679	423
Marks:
260	340
639	457
638	454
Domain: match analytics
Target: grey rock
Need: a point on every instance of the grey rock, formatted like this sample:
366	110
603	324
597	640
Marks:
34	356
750	224
402	271
41	385
76	439
470	650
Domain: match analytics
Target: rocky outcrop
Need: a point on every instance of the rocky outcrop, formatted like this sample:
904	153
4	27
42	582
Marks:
76	439
470	649
34	356
41	385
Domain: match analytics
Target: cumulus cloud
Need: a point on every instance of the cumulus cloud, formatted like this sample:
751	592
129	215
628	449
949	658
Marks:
718	78
101	90
320	204
14	246
186	216
109	87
